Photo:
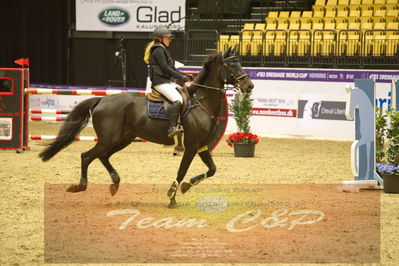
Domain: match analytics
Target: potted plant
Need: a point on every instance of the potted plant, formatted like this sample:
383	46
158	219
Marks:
387	147
243	141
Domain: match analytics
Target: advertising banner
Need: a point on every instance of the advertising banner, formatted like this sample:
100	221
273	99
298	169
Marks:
129	15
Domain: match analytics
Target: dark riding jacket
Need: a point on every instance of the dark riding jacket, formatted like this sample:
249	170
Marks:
162	69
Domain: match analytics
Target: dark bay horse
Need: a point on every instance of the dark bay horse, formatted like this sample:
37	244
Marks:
118	119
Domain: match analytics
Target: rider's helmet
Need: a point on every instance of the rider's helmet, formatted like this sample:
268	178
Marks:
162	31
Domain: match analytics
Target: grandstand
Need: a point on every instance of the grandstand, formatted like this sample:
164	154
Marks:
334	32
331	33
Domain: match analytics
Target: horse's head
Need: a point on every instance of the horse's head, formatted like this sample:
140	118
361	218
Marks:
350	103
233	73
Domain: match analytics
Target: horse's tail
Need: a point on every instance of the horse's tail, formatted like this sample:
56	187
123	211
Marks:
76	120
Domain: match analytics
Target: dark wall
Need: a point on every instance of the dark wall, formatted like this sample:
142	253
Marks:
36	30
93	62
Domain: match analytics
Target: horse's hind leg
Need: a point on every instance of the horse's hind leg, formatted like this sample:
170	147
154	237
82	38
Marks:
206	157
86	159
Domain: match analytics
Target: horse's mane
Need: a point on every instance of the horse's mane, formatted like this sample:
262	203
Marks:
206	67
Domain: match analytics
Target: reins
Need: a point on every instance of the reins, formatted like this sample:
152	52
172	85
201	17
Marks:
223	90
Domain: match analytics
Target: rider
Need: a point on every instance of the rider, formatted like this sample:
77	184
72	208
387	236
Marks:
163	73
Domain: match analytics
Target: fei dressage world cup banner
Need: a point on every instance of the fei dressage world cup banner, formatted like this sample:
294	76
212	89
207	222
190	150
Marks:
129	15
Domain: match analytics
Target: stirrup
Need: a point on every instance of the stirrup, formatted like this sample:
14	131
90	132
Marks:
173	131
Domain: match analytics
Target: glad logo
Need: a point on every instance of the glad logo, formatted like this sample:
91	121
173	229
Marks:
114	16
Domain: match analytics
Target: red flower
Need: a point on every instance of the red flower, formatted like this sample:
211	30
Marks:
241	137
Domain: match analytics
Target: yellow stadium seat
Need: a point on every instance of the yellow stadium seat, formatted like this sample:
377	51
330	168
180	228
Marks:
257	41
284	14
366	28
328	20
271	26
342	12
392	39
392	26
378	19
392	13
305	21
282	26
234	40
271	21
391	2
246	40
307	14
317	26
293	35
392	6
303	44
354	13
353	8
320	2
379	2
223	43
352	44
343	2
294	24
331	13
379	13
332	3
280	43
268	44
260	26
365	20
248	26
355	2
282	21
318	14
318	8
392	47
379	37
367	2
344	20
354	26
366	13
272	14
341	26
317	20
352	20
295	14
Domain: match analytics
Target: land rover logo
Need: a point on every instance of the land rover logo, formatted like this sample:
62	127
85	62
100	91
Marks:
114	16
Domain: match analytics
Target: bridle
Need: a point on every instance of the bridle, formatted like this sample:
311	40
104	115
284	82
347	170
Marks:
228	72
228	76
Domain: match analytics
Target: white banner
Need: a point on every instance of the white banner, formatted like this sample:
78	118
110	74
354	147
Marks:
129	15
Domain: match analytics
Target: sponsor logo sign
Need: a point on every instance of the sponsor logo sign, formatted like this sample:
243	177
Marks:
129	15
272	104
114	16
327	110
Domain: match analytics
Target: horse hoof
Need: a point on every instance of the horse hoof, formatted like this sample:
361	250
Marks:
77	188
184	187
172	204
113	188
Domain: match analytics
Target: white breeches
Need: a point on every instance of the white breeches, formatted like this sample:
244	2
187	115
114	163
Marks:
169	90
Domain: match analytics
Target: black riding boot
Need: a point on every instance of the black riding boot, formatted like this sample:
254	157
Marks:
173	111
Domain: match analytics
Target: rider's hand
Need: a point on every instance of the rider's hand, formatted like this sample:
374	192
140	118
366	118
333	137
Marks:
190	76
186	78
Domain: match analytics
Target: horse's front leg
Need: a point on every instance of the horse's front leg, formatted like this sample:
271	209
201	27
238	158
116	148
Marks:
184	165
206	157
